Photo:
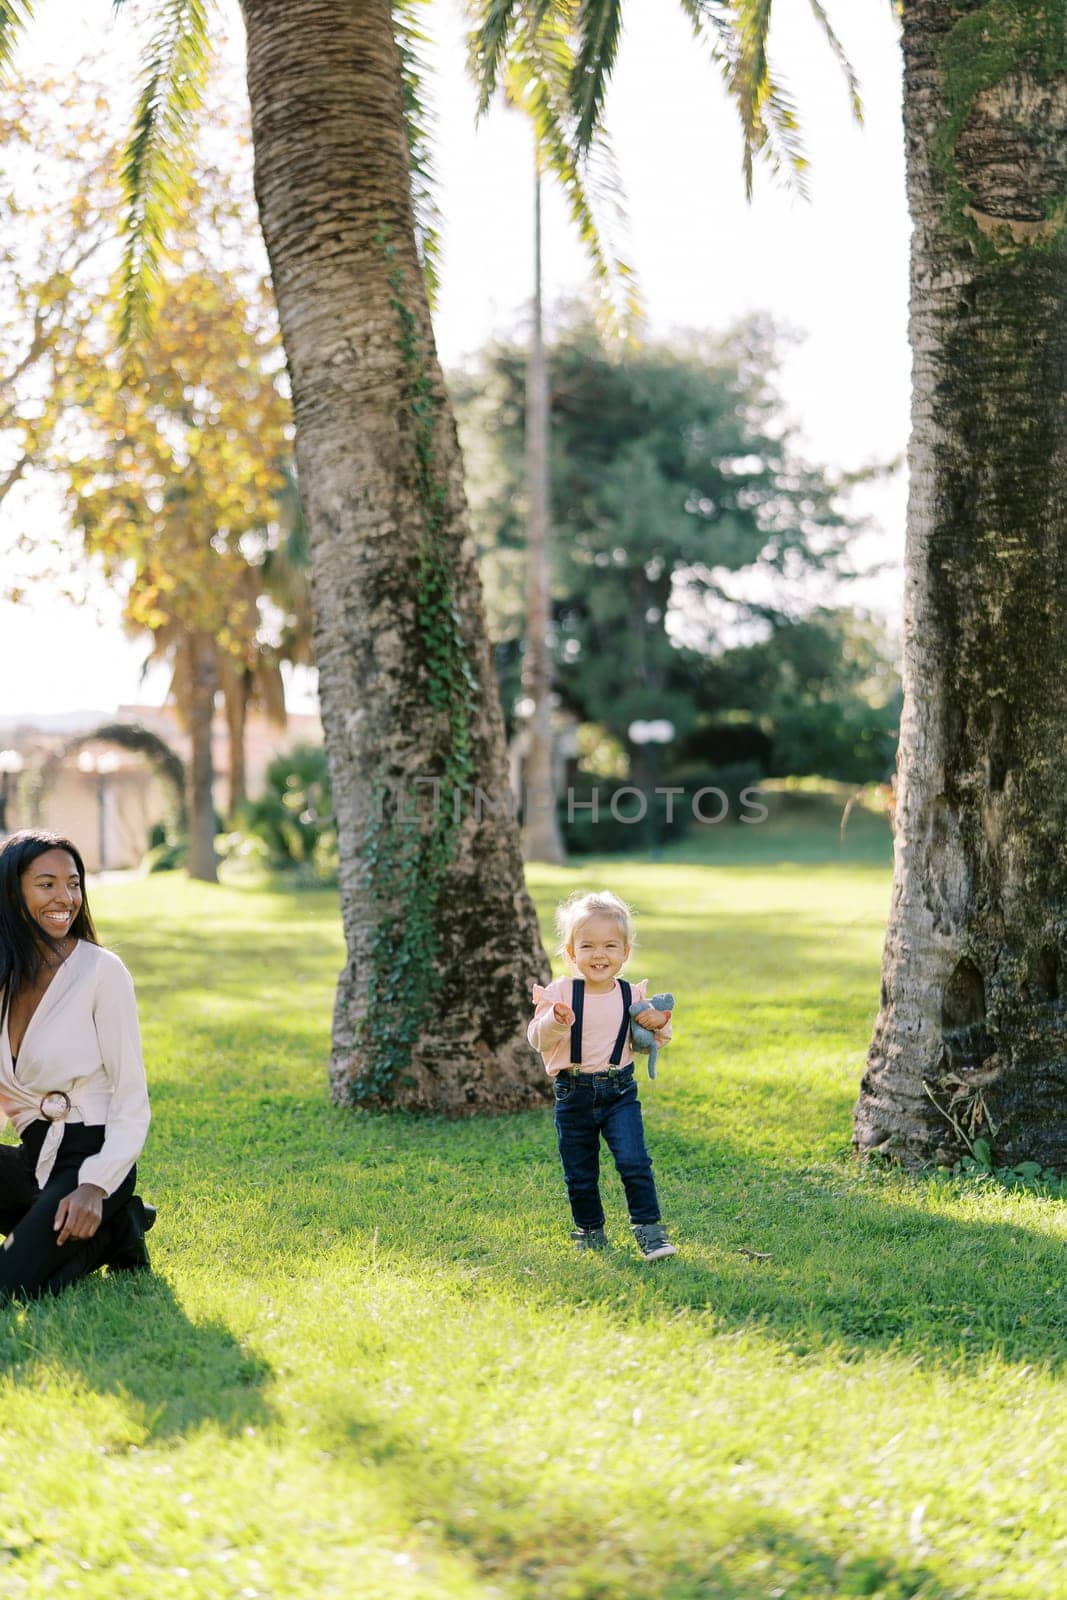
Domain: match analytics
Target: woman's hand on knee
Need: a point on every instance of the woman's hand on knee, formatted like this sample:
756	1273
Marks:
80	1213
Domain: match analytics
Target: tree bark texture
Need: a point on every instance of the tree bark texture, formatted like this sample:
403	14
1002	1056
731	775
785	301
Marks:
540	833
235	699
196	681
971	1038
441	935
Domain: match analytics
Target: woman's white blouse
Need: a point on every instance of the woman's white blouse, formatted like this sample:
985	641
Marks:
84	1040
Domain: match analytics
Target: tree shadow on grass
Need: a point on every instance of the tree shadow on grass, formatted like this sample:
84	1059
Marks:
585	1546
280	956
841	1261
175	955
130	1338
855	1263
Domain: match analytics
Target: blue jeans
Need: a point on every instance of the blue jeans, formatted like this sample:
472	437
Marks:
595	1103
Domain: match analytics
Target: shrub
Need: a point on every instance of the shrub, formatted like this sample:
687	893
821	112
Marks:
293	817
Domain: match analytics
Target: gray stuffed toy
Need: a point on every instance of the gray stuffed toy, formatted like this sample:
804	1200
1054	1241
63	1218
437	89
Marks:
642	1037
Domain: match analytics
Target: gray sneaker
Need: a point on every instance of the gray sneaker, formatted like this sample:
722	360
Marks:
590	1239
652	1240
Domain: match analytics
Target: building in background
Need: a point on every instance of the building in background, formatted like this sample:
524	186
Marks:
106	798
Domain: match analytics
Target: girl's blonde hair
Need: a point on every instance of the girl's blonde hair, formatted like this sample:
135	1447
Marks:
582	905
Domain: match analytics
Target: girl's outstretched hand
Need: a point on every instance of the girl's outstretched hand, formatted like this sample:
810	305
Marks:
563	1014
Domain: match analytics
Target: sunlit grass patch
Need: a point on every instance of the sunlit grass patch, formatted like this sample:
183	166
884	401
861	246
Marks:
369	1364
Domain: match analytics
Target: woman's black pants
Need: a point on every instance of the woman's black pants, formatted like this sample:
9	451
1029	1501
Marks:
32	1264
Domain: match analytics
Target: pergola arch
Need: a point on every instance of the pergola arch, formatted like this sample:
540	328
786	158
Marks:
133	736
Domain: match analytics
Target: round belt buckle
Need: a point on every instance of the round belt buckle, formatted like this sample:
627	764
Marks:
55	1105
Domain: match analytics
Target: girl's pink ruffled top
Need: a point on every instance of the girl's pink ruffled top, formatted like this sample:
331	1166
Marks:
600	1026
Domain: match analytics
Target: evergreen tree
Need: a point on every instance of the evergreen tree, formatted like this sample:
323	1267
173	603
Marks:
687	532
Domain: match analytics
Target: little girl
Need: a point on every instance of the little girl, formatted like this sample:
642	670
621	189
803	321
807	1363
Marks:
582	1028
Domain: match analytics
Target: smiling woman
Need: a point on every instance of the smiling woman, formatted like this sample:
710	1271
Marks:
72	1080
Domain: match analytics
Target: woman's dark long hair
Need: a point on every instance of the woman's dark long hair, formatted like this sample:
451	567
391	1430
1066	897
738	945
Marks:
23	945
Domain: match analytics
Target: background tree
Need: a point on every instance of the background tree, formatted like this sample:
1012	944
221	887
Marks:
176	487
688	533
55	259
825	689
278	582
56	228
272	594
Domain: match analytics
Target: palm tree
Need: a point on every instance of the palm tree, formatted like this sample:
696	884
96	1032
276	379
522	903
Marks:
195	683
971	1038
253	678
193	657
246	673
442	938
441	934
556	62
540	834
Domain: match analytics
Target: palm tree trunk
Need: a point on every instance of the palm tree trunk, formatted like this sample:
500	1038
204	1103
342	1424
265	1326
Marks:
540	834
235	695
442	938
196	680
971	1038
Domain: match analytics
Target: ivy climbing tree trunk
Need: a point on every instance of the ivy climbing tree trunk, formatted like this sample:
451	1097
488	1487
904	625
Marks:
441	936
971	1038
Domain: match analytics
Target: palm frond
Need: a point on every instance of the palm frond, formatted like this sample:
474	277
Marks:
845	64
736	32
749	79
599	26
412	39
540	73
783	148
172	82
487	44
14	15
709	18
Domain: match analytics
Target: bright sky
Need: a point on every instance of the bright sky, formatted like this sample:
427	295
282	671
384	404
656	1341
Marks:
834	270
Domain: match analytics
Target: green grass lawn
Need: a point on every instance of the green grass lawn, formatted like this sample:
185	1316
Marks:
369	1365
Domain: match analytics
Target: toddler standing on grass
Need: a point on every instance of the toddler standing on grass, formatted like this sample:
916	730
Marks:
582	1028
